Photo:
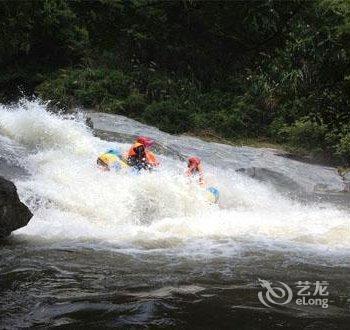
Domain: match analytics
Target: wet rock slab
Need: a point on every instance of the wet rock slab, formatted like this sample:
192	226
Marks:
263	164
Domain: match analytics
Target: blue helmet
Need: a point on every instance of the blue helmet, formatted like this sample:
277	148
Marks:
115	151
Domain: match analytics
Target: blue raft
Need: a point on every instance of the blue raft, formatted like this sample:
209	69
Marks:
214	194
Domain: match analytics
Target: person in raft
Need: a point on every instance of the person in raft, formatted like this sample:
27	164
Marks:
139	156
195	169
111	159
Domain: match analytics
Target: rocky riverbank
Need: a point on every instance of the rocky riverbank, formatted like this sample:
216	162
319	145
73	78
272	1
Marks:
13	213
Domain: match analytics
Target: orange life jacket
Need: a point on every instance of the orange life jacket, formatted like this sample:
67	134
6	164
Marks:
151	159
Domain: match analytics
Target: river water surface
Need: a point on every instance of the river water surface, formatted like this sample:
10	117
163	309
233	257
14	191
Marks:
115	249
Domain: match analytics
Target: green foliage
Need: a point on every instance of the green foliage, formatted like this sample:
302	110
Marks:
306	133
169	116
48	29
134	105
267	68
131	106
112	106
343	148
228	123
87	87
36	38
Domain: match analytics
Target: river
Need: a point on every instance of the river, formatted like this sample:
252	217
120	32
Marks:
113	249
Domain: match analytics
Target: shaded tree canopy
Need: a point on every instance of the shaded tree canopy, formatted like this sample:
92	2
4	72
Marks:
267	68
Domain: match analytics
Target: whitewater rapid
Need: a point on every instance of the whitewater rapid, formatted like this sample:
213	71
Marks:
75	202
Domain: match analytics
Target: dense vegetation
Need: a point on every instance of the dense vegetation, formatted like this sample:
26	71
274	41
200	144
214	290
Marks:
277	70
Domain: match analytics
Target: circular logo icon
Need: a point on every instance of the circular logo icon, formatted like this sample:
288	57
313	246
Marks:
276	295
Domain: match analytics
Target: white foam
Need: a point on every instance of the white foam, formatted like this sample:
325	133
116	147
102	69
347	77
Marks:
73	200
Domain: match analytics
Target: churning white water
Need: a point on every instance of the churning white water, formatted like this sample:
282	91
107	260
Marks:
74	201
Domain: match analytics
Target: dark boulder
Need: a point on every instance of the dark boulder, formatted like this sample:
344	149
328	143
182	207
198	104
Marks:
89	123
13	213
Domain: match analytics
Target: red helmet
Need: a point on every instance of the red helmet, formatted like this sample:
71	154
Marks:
146	141
193	162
